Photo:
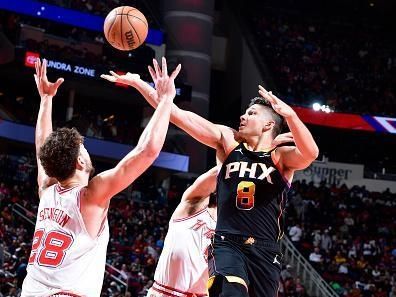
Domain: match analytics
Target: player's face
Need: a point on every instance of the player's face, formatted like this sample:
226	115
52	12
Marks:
254	121
87	160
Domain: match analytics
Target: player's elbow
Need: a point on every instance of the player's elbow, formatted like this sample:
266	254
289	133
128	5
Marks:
149	151
312	154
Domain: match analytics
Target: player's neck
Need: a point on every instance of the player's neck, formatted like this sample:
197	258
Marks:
75	180
259	143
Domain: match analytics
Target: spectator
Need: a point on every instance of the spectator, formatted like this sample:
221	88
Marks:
295	234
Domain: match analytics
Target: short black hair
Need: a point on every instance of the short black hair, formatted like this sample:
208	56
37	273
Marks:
279	120
58	155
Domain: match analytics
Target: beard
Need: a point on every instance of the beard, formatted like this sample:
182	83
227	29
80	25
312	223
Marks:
90	168
91	172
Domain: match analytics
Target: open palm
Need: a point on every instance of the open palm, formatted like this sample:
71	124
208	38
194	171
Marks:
127	78
45	87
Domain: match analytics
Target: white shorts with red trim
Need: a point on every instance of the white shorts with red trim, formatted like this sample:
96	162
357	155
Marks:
65	294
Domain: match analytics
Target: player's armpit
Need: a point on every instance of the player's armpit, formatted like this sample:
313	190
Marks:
44	183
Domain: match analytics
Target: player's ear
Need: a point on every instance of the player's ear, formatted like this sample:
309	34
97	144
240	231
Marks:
80	163
269	125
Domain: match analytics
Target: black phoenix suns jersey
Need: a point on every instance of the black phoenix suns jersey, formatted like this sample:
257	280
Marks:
251	195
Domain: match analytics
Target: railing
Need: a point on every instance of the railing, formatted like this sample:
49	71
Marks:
23	212
116	278
315	285
8	274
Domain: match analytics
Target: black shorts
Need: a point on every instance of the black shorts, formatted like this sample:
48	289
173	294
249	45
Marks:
256	262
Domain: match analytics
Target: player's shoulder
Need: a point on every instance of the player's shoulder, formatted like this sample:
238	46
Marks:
230	139
48	183
280	151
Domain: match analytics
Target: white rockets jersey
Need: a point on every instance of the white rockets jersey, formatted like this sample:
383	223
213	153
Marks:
64	257
182	267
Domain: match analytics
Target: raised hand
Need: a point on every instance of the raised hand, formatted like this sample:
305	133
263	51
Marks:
278	105
45	87
164	84
282	139
128	79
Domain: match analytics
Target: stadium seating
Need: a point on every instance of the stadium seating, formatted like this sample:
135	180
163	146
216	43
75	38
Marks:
313	60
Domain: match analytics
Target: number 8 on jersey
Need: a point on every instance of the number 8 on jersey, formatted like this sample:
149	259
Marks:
245	195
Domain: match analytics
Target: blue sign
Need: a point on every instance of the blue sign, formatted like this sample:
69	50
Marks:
97	147
68	16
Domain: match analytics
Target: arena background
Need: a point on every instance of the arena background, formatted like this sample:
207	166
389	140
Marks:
334	61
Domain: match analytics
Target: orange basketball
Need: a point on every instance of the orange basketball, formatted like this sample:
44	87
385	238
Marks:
125	28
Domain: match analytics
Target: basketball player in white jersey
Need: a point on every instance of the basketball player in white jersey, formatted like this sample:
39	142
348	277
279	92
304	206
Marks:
71	233
182	268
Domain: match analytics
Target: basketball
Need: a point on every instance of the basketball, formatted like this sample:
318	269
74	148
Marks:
125	28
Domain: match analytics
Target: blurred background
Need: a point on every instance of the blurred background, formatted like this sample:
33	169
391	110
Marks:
333	61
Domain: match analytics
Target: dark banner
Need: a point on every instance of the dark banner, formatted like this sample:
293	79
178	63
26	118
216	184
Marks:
183	92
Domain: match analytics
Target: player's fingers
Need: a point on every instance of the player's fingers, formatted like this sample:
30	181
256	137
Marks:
277	108
114	74
36	80
262	88
44	67
36	67
164	67
152	73
176	72
39	69
152	94
266	95
59	82
108	77
288	134
157	68
275	98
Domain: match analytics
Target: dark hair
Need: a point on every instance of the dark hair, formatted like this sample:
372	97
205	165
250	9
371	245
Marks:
279	121
58	155
212	200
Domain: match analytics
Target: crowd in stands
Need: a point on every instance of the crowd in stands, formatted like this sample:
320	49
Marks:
348	235
316	61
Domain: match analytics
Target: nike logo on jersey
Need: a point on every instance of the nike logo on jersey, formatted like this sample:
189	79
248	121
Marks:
239	150
276	260
257	170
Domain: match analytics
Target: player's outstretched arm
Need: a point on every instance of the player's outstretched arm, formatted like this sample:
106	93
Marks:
47	91
105	185
201	129
306	150
196	197
202	187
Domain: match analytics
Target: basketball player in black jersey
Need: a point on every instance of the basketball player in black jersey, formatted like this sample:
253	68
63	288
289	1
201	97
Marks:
252	186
